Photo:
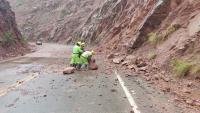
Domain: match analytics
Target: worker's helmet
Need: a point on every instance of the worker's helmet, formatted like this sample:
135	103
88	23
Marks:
82	44
79	43
92	52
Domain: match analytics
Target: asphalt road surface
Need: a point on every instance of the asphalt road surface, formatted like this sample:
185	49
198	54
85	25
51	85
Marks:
35	84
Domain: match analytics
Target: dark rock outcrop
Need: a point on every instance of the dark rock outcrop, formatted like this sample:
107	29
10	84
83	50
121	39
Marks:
11	41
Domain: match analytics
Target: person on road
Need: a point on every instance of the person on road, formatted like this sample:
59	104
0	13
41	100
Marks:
75	58
85	59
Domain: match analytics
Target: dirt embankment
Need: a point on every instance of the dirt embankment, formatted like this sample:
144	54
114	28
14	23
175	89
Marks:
11	41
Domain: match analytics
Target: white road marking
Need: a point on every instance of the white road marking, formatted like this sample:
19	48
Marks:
128	94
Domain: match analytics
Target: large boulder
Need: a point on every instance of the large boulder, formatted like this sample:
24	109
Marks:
69	70
93	65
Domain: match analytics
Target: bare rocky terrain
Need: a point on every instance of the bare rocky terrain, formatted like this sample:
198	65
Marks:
11	41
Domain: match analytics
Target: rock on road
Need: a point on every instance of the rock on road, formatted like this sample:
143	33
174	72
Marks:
35	84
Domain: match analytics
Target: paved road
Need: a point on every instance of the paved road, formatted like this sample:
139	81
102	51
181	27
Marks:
35	84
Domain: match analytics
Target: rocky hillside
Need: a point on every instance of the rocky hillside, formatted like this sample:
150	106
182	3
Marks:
158	39
52	20
11	41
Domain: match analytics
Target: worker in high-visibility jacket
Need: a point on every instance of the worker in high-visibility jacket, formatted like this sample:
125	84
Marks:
75	58
85	58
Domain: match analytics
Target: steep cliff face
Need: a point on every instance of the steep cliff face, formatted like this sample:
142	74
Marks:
118	21
11	40
52	20
127	25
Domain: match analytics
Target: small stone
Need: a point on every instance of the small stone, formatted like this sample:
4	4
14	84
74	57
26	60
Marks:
20	82
143	69
132	67
110	56
118	60
189	84
113	90
154	66
197	103
116	54
190	102
131	57
163	72
146	74
156	77
148	78
140	62
126	62
166	79
166	89
176	99
186	91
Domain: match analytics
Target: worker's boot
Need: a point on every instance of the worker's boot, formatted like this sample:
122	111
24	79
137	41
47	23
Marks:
78	66
73	65
85	67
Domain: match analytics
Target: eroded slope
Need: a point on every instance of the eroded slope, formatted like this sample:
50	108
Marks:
11	41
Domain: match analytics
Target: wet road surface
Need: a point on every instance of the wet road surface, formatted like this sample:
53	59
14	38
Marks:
35	84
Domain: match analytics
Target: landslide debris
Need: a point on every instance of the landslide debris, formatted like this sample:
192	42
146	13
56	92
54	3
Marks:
156	33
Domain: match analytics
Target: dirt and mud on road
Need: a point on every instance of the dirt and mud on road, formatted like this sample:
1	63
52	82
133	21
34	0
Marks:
34	83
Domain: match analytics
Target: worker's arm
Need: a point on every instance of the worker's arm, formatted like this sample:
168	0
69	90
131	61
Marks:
80	51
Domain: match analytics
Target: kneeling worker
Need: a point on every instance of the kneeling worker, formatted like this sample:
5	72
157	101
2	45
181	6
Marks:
85	59
75	58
